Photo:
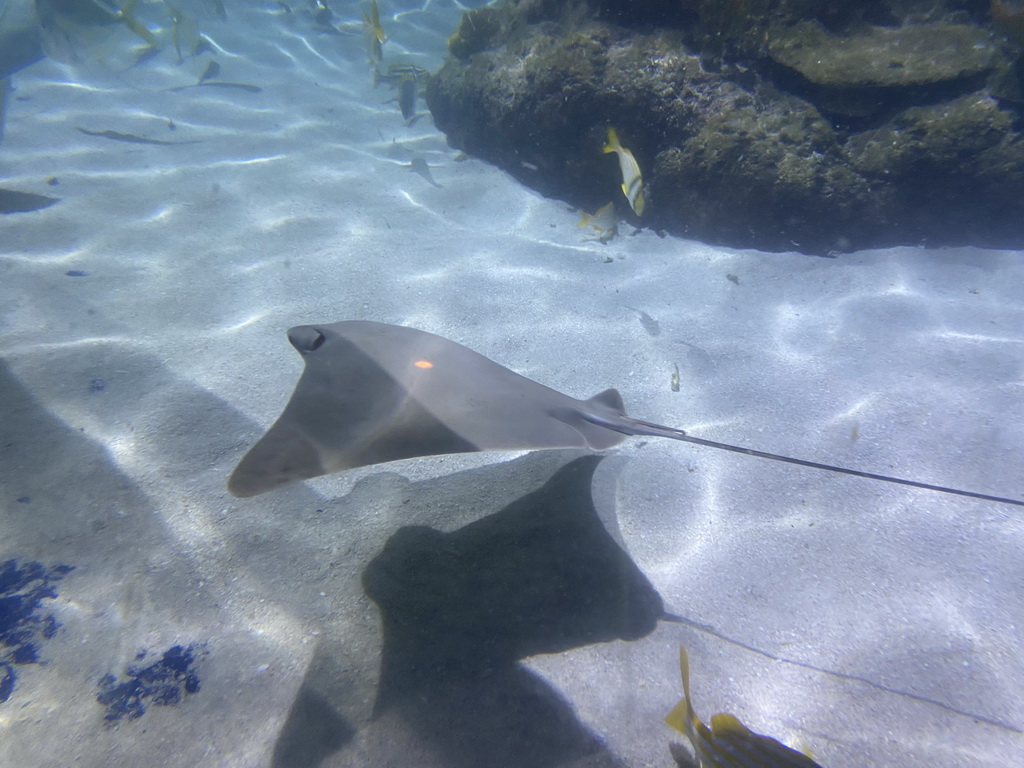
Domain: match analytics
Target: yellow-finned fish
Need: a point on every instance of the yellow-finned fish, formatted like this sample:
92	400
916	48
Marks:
321	14
185	32
604	222
372	21
374	34
728	743
125	13
632	181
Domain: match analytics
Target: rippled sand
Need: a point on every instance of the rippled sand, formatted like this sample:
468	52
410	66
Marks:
143	351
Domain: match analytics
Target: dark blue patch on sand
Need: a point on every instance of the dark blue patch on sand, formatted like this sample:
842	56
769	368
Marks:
23	624
163	683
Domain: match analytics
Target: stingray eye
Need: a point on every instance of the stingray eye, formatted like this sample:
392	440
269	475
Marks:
306	338
316	341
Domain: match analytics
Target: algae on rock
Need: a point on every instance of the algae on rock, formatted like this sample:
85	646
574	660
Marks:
776	124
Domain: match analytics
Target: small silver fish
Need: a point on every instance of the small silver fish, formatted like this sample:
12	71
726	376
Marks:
131	138
247	87
407	94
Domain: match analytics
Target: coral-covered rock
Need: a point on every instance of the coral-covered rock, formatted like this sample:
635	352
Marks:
776	124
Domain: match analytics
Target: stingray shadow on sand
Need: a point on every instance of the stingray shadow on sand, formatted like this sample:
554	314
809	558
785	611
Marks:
460	609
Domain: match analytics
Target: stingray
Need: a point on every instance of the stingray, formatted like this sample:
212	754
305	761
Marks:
372	393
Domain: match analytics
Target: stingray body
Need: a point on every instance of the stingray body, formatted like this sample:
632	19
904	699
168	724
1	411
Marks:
373	393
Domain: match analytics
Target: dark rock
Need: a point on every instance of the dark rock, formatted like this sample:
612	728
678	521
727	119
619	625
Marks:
476	32
869	72
884	57
776	124
778	174
539	106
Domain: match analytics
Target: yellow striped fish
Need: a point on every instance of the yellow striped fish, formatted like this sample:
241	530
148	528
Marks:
728	743
632	181
396	72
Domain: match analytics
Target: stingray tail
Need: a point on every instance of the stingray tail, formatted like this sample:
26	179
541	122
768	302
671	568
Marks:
631	426
617	420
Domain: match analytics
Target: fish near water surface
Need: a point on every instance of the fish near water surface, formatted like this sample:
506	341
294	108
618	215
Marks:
727	743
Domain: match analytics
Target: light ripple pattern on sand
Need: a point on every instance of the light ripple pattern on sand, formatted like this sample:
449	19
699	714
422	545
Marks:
826	594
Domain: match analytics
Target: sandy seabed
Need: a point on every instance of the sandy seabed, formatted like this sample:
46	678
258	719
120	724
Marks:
143	352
